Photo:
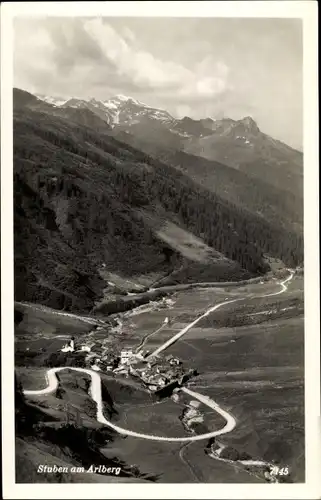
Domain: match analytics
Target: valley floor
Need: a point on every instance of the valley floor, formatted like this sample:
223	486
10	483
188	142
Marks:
249	356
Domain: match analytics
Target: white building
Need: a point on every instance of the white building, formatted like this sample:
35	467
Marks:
96	366
125	356
174	362
69	347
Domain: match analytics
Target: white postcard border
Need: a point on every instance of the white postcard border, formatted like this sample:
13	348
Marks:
307	11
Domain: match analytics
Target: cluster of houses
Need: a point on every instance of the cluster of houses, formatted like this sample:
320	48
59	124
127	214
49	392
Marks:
158	373
155	372
96	356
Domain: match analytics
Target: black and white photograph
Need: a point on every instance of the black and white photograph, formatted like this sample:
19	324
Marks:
159	296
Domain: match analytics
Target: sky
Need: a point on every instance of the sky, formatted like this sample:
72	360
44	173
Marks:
197	67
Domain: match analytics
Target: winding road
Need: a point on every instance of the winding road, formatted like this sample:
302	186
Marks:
96	392
212	309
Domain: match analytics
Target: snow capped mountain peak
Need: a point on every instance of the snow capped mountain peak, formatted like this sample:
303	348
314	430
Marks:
75	103
122	97
109	104
127	111
94	101
54	101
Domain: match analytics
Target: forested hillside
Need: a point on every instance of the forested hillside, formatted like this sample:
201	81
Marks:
80	200
281	207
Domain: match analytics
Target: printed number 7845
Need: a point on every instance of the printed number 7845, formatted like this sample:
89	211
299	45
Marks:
279	471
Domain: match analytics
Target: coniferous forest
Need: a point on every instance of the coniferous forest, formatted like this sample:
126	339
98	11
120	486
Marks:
81	199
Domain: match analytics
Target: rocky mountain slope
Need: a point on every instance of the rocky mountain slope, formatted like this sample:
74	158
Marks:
84	201
236	143
242	145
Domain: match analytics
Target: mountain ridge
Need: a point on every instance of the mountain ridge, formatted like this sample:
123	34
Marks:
120	100
236	143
